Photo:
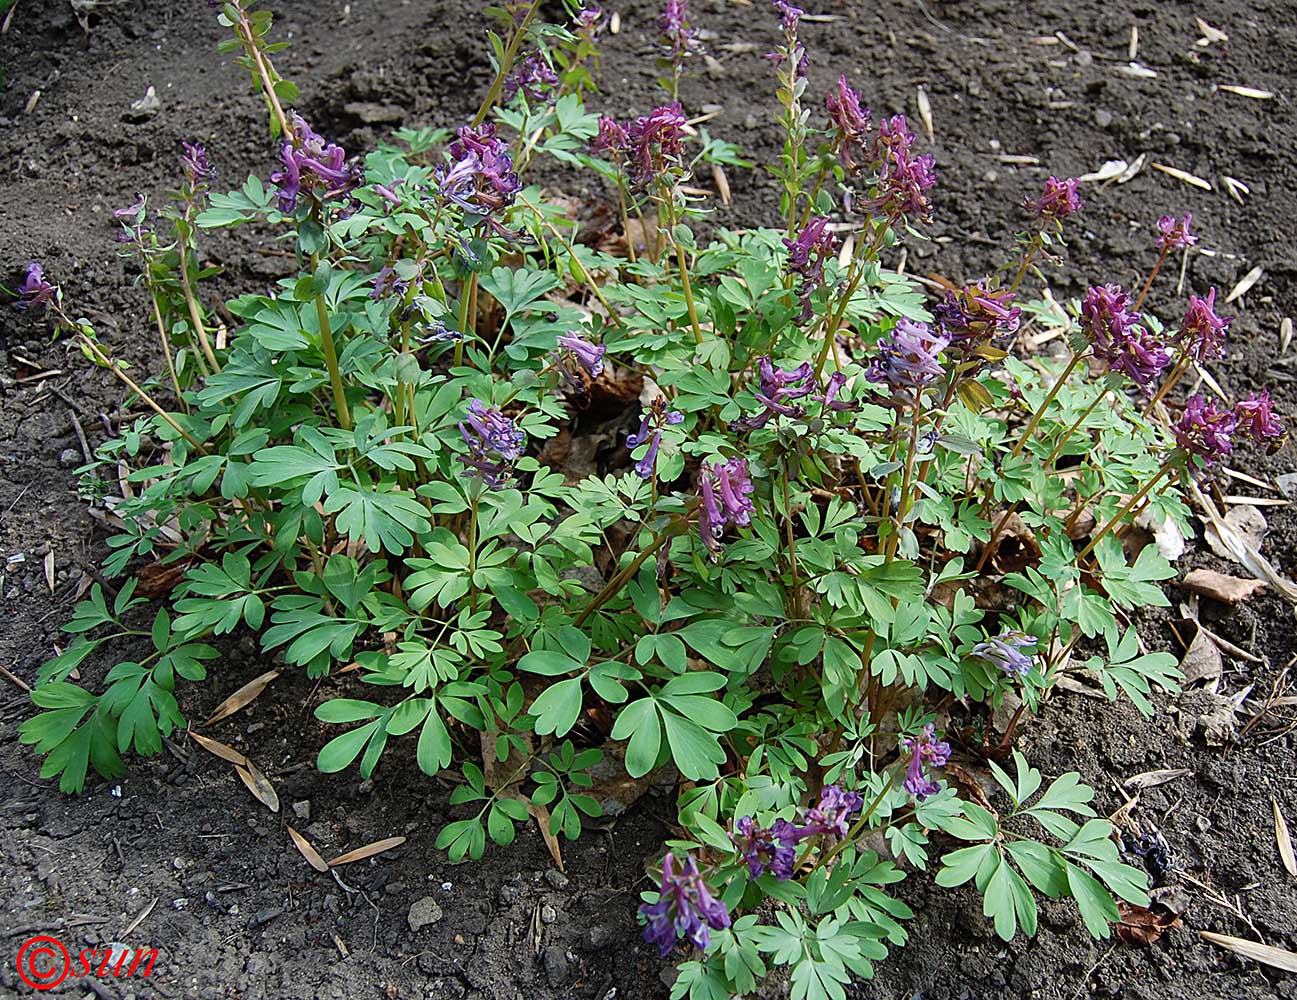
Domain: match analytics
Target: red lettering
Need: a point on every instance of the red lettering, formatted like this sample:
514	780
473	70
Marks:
152	954
86	962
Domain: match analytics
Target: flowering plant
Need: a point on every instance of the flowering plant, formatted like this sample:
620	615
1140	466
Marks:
783	580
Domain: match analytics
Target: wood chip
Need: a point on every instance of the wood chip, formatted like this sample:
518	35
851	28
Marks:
32	102
258	784
925	113
1209	33
368	851
1230	589
1182	175
1277	958
1283	840
1151	779
1285	334
140	917
241	698
1252	92
49	569
1245	284
311	855
1138	71
722	183
1132	50
222	750
1017	159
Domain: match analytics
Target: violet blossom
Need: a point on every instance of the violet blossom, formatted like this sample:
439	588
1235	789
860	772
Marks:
589	356
724	491
976	315
679	37
656	416
1204	430
1255	417
685	907
611	137
908	358
197	167
1011	651
35	291
1057	201
1118	340
655	143
311	164
777	390
806	256
1175	233
829	398
1202	334
925	751
480	177
849	123
903	179
832	815
587	19
773	847
534	77
486	431
789	17
388	283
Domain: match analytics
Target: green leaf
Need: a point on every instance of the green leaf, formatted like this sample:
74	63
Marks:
639	722
558	707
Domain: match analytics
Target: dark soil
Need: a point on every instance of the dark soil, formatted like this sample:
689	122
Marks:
238	913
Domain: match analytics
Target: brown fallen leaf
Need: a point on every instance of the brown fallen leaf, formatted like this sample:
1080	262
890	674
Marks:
241	698
1277	958
368	851
1283	839
1202	660
222	750
1142	927
1151	779
542	817
1248	521
311	855
258	784
1230	589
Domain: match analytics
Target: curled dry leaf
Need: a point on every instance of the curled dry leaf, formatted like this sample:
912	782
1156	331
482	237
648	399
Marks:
1283	839
1202	660
1252	92
241	698
1183	175
1142	927
541	815
1111	170
1248	521
1276	958
368	851
311	855
1210	34
222	750
1151	779
925	113
1230	589
1245	284
258	784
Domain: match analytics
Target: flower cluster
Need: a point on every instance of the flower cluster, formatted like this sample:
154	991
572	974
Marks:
1205	430
832	815
1011	651
576	353
534	77
806	256
904	179
684	907
494	443
587	19
35	291
655	418
925	751
773	848
1255	417
480	177
777	390
312	165
849	124
792	49
1119	341
976	315
1058	200
724	490
387	282
1175	233
909	358
652	143
1202	334
679	37
197	167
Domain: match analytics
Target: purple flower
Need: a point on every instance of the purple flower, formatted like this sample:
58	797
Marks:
724	489
587	18
486	431
1175	233
650	430
925	751
534	77
198	168
1011	651
830	397
832	815
849	123
35	291
1255	417
903	179
589	356
685	907
774	847
388	282
612	138
480	177
655	142
777	390
1058	200
976	315
806	256
908	358
1118	340
678	35
1204	430
1202	334
315	166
